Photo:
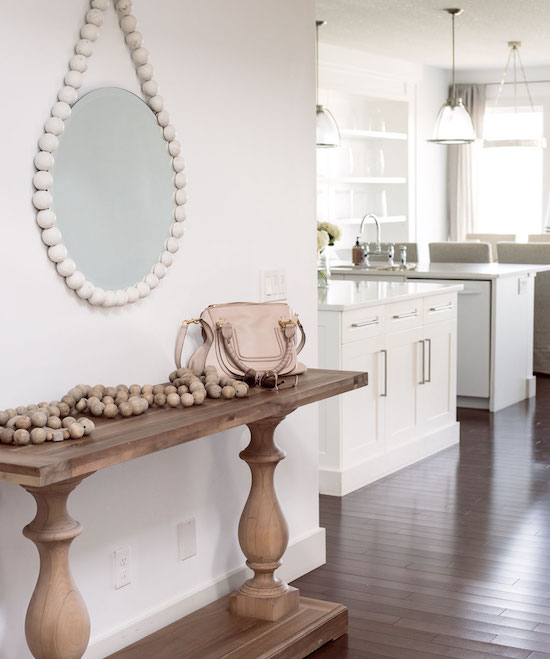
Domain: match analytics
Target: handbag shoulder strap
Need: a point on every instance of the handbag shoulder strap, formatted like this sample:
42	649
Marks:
303	338
181	338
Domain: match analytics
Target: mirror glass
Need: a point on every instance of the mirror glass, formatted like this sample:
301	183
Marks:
113	187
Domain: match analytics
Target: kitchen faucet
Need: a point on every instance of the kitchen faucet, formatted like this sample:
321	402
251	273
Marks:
378	248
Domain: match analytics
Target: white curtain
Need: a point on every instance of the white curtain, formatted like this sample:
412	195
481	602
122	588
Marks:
462	164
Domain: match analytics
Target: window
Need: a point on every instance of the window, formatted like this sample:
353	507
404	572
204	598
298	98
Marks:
510	177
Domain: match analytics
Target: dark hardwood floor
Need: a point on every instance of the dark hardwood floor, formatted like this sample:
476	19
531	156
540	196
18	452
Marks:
449	557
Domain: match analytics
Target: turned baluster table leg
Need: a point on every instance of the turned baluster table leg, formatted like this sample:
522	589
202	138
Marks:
57	625
263	532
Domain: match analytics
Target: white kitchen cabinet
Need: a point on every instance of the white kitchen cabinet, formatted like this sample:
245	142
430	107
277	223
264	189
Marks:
408	409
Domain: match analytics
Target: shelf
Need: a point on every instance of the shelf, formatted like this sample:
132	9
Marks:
372	134
365	179
386	219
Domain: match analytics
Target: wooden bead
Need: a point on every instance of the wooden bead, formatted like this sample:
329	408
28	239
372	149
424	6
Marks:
67	95
76	393
151	280
170	389
174	148
45	219
94	16
181	197
173	399
69	399
187	400
180	180
136	405
76	430
49	435
64	409
143	289
54	422
169	133
6	435
182	389
196	385
110	391
78	63
173	376
159	270
121	397
145	72
66	268
107	400
156	103
66	433
20	409
228	392
110	411
34	408
43	160
89	31
128	24
134	40
51	236
23	422
172	245
144	403
48	142
160	400
76	280
98	297
214	391
61	110
124	7
140	57
57	253
241	391
177	230
158	389
147	388
21	437
11	412
178	163
88	425
74	79
199	396
67	421
81	405
133	294
4	418
100	4
42	180
225	380
11	423
53	410
134	389
39	419
84	47
97	409
148	397
150	88
38	435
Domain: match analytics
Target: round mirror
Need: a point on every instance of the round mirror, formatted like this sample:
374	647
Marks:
113	188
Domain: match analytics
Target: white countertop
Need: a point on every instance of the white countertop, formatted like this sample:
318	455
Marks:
345	295
448	271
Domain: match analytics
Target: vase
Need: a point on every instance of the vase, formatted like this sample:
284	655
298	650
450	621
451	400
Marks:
323	268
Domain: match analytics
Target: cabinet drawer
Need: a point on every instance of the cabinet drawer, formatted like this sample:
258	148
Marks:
362	323
440	307
404	315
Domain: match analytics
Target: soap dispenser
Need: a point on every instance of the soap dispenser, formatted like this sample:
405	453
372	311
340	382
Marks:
357	253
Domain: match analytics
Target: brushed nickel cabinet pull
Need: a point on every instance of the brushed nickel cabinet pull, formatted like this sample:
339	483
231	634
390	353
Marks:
364	323
385	394
429	342
442	308
411	314
423	381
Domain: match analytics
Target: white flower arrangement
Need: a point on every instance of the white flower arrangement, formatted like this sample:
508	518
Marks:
332	230
322	240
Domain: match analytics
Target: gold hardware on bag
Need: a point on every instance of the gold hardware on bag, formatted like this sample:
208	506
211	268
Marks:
283	323
194	321
220	323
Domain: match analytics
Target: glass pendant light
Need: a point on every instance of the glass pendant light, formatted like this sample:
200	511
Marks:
327	131
515	58
454	123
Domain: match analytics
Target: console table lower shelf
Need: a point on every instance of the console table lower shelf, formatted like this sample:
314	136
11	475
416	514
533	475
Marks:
214	633
265	617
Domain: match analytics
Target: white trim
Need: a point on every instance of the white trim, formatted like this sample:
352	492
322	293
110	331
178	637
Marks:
48	143
341	482
303	555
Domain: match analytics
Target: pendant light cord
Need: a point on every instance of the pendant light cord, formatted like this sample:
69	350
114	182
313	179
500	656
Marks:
317	23
453	41
514	53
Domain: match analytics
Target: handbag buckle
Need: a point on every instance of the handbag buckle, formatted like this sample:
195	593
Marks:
193	321
284	323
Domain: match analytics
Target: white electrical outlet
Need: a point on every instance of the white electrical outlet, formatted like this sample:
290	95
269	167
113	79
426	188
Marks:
187	539
123	575
273	285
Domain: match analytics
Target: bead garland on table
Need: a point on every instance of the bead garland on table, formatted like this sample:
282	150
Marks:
36	424
49	141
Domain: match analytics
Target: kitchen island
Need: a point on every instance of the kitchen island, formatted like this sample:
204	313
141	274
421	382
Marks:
495	325
404	335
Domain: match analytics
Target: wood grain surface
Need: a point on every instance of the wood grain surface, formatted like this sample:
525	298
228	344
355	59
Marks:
120	440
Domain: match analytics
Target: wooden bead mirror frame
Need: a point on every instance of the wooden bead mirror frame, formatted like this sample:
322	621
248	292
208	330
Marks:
48	143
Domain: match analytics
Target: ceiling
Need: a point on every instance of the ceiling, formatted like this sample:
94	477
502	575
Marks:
420	31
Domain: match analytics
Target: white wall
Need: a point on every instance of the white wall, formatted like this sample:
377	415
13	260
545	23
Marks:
238	79
426	88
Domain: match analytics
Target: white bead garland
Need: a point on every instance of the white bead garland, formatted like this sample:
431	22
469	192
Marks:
48	143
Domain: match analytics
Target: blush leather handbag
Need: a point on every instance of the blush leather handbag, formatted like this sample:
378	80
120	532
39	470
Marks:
247	340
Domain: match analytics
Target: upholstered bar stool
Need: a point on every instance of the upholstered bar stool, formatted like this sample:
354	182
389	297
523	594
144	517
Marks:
493	239
538	238
535	253
467	252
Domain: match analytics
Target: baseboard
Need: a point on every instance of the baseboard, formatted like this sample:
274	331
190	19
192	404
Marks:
531	386
340	483
303	555
473	402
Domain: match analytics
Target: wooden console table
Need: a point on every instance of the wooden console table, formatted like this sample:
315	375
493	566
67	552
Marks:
265	617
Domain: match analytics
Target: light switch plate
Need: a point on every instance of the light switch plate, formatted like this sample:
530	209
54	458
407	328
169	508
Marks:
273	285
187	539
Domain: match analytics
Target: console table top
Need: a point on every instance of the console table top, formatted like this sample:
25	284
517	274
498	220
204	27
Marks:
119	440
